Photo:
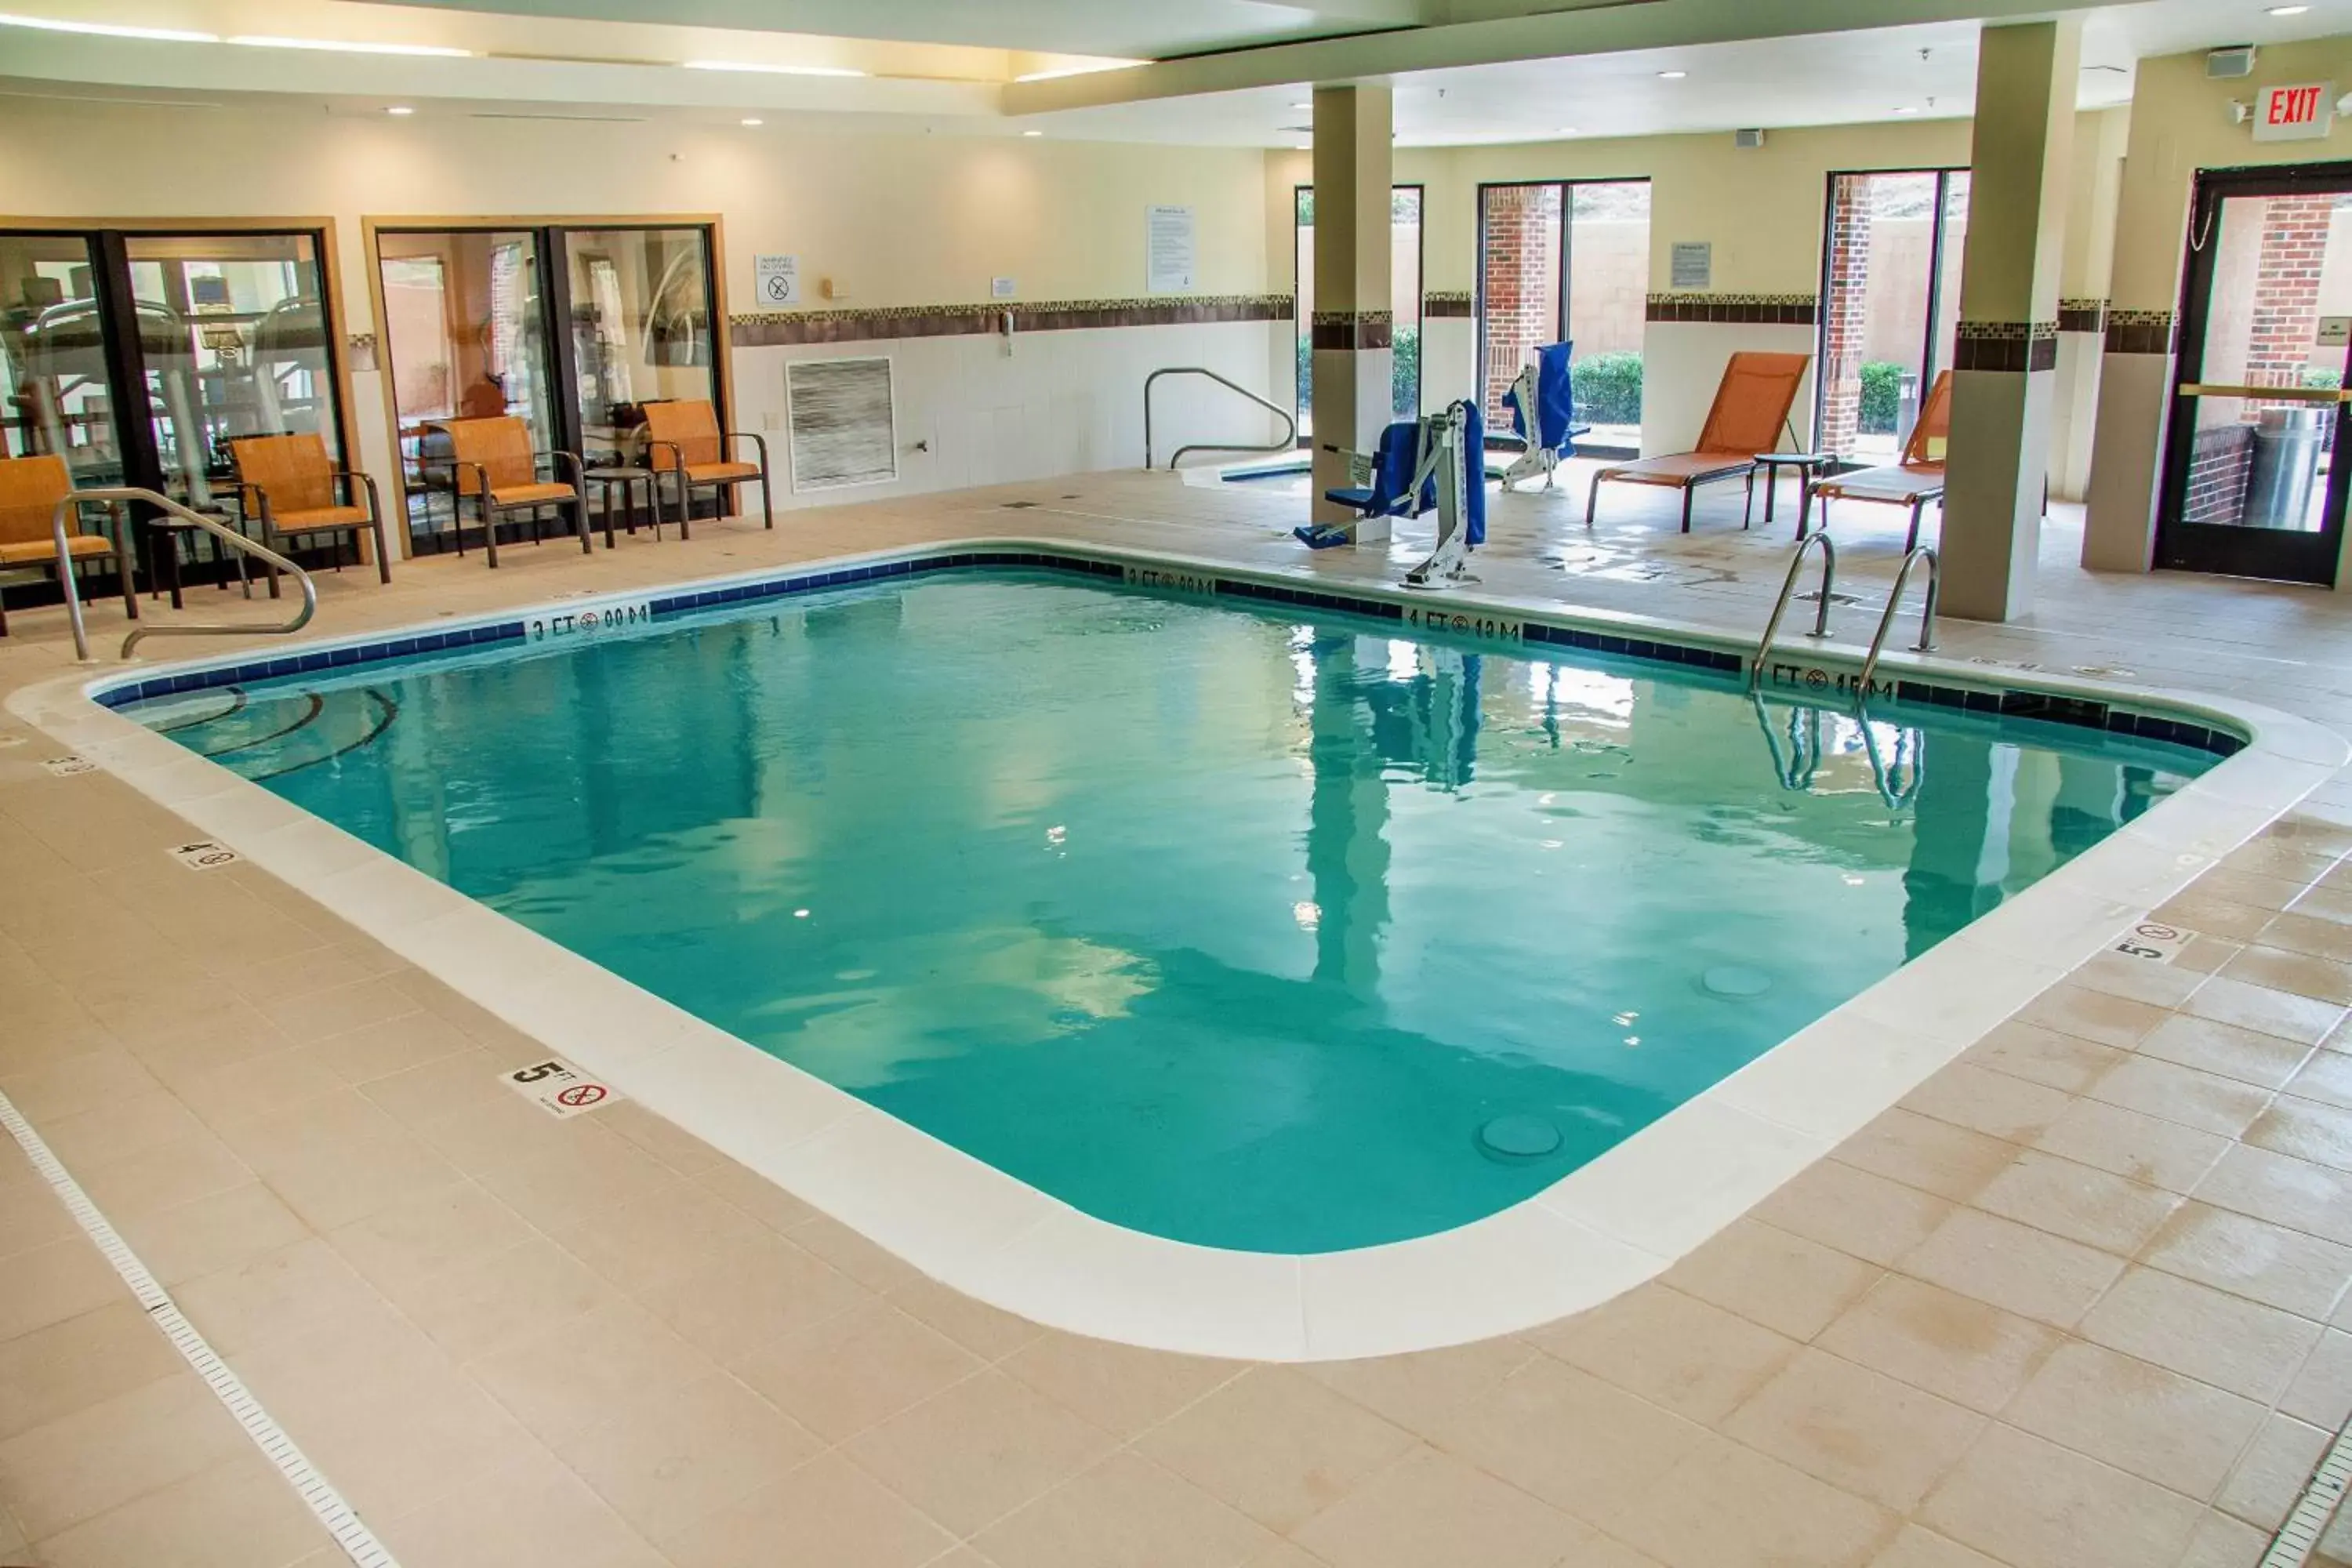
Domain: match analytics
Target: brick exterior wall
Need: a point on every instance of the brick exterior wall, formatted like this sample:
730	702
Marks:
2218	467
1518	279
2286	288
1845	329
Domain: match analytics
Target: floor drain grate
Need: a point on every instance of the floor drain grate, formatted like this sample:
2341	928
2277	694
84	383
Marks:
1019	505
1814	596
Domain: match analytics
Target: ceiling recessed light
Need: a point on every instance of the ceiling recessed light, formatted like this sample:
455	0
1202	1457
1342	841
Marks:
399	109
108	30
1672	76
1302	106
755	122
1906	108
252	41
2288	10
769	69
1565	131
1033	133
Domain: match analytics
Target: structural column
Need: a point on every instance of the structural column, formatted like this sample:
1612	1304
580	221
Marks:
2005	361
1353	328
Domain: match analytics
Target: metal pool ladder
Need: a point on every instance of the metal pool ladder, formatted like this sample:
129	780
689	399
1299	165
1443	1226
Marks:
1788	591
1290	425
187	518
1927	643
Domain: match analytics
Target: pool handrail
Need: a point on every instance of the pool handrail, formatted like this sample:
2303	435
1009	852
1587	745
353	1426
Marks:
1788	589
1927	643
183	517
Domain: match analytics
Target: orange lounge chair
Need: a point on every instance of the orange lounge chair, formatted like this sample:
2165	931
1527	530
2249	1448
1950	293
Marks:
30	489
683	437
1913	481
493	461
292	488
1751	408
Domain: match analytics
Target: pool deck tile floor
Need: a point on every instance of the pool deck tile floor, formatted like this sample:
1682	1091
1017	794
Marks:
2077	1302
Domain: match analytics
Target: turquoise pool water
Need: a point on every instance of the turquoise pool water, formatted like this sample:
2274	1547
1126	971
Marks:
1260	929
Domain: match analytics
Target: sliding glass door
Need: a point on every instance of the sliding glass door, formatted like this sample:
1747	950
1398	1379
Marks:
468	316
52	363
232	334
138	355
640	325
1890	304
1567	261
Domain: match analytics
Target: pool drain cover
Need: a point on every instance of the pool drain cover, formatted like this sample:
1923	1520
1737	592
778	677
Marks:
1520	1137
1730	980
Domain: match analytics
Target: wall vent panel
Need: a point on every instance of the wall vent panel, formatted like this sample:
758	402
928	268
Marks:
844	429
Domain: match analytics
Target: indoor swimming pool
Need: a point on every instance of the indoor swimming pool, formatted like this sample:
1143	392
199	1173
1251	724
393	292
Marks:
1255	926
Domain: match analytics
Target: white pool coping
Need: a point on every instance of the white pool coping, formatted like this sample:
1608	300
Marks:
1620	1219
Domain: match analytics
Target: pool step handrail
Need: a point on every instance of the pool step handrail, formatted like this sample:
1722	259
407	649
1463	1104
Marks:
185	518
1927	643
1788	591
1289	423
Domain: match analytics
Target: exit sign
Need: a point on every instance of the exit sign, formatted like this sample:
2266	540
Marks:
2300	113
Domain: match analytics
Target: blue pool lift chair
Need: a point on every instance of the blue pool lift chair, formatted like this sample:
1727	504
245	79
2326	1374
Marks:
1543	414
1389	494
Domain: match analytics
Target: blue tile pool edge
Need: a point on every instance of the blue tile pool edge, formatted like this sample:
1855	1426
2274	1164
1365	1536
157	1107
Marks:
1787	672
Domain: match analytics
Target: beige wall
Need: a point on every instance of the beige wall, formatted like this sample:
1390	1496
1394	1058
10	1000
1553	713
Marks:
900	219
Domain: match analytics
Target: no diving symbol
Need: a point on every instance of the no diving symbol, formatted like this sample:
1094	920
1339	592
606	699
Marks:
1817	678
587	620
581	1096
780	289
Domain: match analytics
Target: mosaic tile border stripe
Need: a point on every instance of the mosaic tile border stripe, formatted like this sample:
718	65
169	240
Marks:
773	328
1782	672
2082	315
1344	331
2141	331
1447	304
2010	347
1749	309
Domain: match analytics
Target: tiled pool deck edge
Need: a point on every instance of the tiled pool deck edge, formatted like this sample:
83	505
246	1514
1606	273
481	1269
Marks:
1602	1229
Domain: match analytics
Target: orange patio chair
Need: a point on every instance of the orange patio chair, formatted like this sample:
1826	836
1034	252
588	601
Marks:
1752	408
1915	478
30	489
683	437
493	461
290	487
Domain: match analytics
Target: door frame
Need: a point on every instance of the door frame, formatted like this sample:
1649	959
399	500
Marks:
2213	548
1566	186
1936	240
555	288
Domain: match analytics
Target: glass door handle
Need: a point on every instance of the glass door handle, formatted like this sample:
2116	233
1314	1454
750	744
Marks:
2267	394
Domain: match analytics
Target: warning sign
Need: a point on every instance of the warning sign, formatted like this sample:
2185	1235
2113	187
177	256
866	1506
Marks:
67	767
205	855
558	1089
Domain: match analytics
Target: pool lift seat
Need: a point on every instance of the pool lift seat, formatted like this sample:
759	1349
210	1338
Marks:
1542	400
1421	465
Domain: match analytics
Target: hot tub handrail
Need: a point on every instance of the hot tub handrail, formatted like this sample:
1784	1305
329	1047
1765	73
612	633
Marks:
1290	423
185	517
1788	591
